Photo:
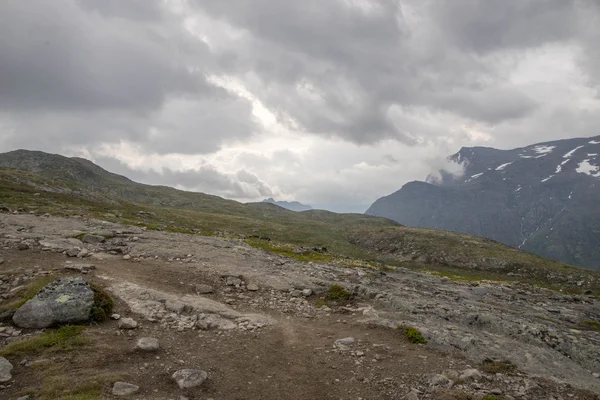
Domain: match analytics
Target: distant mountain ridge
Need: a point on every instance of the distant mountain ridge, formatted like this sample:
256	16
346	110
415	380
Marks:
290	205
543	198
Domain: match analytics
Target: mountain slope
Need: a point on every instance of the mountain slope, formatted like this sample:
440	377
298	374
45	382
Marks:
289	205
42	183
542	198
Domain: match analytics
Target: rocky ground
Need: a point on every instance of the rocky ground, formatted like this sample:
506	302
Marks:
257	325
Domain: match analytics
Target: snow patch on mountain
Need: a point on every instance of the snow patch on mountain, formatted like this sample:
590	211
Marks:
548	178
501	167
585	167
594	142
543	149
569	154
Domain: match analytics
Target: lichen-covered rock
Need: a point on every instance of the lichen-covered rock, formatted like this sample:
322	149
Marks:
65	301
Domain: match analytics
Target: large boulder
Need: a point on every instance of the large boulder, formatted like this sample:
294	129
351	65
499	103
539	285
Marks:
65	301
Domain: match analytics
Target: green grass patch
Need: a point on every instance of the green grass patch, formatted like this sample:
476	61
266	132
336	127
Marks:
27	293
103	303
337	293
497	366
490	397
63	338
413	334
320	303
590	325
289	251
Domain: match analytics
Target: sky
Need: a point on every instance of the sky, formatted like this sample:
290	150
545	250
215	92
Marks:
333	103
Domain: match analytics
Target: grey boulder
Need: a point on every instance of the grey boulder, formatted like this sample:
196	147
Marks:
204	289
189	378
65	301
5	368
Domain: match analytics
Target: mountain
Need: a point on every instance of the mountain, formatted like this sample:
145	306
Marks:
40	183
290	205
543	198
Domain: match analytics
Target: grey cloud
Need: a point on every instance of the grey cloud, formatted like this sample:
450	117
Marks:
361	64
484	26
103	71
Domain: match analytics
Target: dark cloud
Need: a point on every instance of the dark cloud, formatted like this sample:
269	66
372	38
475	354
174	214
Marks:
103	71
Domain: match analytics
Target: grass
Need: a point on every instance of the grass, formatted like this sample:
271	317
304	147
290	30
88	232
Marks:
497	366
413	334
590	325
337	293
490	397
103	303
63	338
27	293
289	251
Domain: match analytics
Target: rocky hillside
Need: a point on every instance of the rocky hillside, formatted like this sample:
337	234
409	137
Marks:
163	315
542	198
56	185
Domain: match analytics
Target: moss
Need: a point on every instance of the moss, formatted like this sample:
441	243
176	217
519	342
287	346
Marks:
497	366
337	293
80	235
103	303
591	325
63	338
413	334
489	397
320	303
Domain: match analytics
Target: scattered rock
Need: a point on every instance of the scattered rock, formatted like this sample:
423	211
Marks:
470	374
233	281
124	389
73	252
5	368
83	253
411	396
147	344
127	257
253	287
80	267
1	261
295	293
496	391
596	375
307	292
25	398
23	246
344	341
204	289
115	316
189	378
65	301
439	380
127	323
93	239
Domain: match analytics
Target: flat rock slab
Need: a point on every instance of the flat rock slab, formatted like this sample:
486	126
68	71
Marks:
80	267
189	378
124	389
127	323
5	368
65	301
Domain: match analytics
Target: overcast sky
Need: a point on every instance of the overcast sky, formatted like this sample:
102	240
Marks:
333	103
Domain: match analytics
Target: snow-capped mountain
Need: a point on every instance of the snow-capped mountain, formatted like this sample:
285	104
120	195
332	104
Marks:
544	198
